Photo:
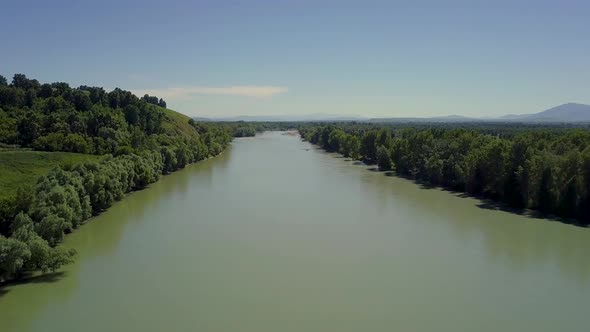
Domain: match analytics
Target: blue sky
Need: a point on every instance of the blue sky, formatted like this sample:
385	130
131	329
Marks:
371	58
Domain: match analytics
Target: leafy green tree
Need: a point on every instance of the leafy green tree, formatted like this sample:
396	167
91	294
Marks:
383	159
42	257
30	97
29	127
10	96
76	143
51	142
81	101
547	195
8	210
24	198
132	114
52	228
434	168
169	158
45	91
22	82
335	140
183	156
368	147
383	137
352	146
13	256
8	128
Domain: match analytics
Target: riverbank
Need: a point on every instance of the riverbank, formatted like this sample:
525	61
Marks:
66	198
484	202
539	168
37	276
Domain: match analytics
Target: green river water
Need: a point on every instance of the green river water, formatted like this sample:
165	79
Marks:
276	235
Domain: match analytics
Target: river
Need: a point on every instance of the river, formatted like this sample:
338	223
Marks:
276	235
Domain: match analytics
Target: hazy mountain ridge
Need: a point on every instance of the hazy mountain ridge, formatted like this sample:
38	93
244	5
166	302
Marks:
565	113
570	112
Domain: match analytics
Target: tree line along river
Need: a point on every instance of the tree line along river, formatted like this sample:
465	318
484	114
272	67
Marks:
276	235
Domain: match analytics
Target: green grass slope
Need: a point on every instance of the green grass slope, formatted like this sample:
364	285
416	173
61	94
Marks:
24	167
177	124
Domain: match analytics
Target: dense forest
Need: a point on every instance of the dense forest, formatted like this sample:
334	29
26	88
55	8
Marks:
138	139
544	168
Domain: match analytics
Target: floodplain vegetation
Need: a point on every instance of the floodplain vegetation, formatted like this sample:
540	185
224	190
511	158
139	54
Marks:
524	166
67	154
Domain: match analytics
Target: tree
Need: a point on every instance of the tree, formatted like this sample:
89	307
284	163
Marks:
13	256
169	158
3	81
76	143
132	114
82	101
368	147
150	99
183	156
353	146
42	257
383	159
10	96
114	98
24	198
29	127
434	168
383	137
61	89
46	91
569	199
20	81
8	129
162	103
547	196
349	146
335	139
59	257
30	97
52	229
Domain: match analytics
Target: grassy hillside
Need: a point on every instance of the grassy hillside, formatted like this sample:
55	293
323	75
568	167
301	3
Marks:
177	124
23	167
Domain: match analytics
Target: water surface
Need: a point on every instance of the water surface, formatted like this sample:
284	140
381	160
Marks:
275	235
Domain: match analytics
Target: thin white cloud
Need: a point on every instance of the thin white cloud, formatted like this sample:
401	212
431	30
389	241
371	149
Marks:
239	90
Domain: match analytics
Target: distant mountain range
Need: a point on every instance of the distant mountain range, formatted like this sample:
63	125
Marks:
566	113
563	113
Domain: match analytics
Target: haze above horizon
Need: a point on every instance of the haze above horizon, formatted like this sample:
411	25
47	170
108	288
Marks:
370	59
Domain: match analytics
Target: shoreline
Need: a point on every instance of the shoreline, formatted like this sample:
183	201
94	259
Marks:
30	276
485	202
